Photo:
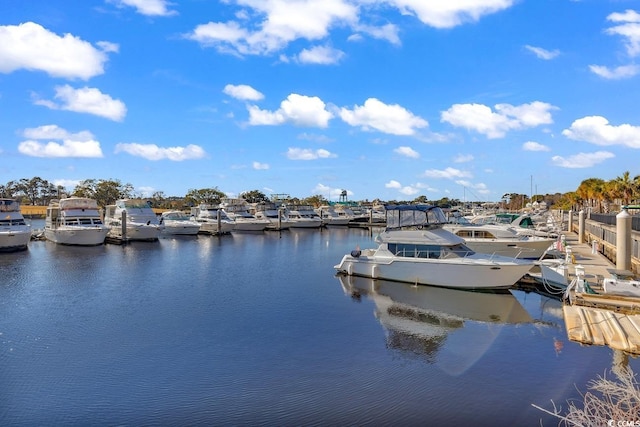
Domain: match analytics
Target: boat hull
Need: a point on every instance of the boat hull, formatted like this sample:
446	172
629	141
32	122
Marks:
14	239
181	229
523	249
465	274
139	232
211	227
76	236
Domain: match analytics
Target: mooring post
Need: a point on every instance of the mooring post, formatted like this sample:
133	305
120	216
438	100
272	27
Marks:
124	226
219	219
570	229
623	240
581	226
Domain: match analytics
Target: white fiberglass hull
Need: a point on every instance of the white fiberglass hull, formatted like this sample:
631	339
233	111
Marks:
211	227
470	272
524	249
15	239
181	228
258	225
77	236
336	221
142	232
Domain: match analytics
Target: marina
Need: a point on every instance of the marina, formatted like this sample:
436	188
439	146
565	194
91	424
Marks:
249	328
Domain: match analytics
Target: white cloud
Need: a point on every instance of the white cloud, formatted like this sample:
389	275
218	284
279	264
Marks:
260	166
543	53
81	144
629	29
407	152
448	173
153	152
582	160
282	22
392	119
329	192
534	146
463	158
482	119
479	187
448	14
147	7
263	27
29	46
597	130
308	154
323	55
243	92
393	184
298	110
617	73
86	100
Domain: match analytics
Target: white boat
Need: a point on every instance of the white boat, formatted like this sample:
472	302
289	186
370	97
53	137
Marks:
238	211
141	221
331	217
498	239
212	219
15	233
303	216
621	282
74	221
177	222
277	217
415	248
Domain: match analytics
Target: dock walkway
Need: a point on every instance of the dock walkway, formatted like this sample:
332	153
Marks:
594	319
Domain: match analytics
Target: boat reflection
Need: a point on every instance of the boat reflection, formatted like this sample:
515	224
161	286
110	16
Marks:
448	327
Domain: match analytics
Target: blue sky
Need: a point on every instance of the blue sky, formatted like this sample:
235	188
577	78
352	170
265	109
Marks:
389	99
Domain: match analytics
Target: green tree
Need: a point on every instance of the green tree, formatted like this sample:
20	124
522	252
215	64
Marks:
103	191
316	201
211	196
254	196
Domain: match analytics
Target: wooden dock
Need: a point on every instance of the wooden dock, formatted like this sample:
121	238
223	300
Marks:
599	319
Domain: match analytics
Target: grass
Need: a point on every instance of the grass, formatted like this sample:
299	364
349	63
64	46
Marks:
607	403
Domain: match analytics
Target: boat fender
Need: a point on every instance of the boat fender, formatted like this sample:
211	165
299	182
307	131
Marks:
356	253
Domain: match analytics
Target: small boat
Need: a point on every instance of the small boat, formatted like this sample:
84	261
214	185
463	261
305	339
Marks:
74	221
177	222
415	248
277	216
142	223
331	217
621	282
15	233
303	216
238	211
498	239
212	219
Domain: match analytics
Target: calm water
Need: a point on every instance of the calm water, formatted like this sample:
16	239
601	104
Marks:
255	329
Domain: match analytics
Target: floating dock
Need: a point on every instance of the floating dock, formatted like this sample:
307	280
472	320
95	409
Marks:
599	318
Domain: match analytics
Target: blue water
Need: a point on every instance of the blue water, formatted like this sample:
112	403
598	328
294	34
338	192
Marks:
255	329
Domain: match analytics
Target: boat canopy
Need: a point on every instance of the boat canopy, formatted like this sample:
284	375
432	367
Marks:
9	205
400	216
78	203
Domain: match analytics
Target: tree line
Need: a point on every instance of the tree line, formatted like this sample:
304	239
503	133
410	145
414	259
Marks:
597	194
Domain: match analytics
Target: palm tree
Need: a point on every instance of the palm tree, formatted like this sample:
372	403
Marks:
625	187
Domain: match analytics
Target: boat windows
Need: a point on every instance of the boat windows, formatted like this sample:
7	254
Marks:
415	251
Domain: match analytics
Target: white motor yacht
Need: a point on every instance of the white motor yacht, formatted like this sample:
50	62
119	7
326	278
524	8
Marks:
177	222
212	219
75	221
15	233
141	221
303	216
499	239
330	216
238	211
277	217
415	248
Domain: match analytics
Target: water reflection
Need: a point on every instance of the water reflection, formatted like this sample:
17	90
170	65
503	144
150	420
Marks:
448	327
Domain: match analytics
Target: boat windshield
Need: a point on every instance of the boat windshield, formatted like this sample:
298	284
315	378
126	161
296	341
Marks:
429	251
9	205
401	216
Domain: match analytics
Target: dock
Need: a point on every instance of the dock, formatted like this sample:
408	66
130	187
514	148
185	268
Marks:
597	318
